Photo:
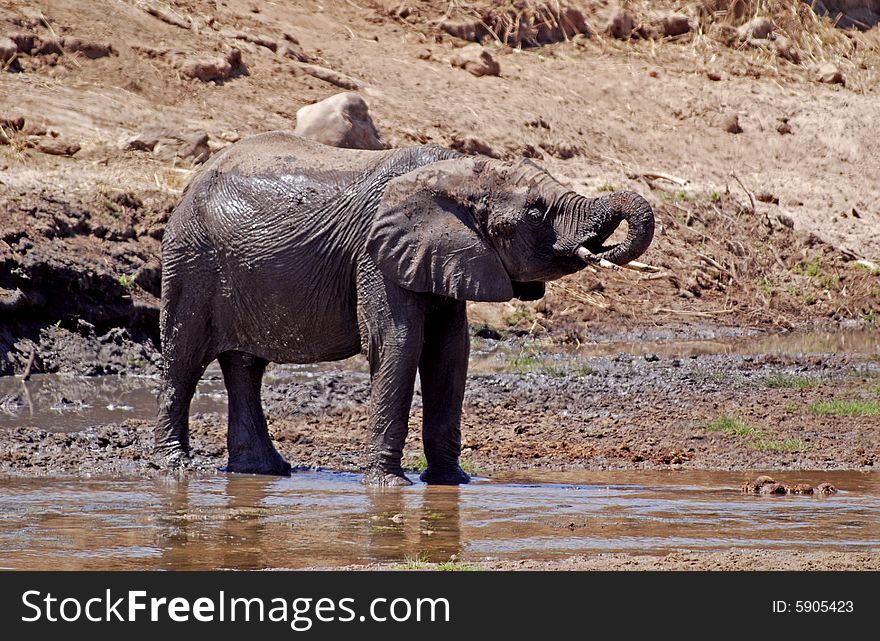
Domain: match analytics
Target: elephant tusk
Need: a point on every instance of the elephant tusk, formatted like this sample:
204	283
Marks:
584	254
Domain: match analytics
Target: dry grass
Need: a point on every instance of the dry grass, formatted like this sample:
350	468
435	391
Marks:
816	39
516	23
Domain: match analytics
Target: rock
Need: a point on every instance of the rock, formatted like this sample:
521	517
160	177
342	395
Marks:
826	489
562	150
149	277
46	46
783	127
651	358
829	73
772	488
621	24
472	145
767	197
730	124
8	50
471	30
214	69
785	49
756	29
800	488
12	123
674	24
754	487
342	120
475	60
785	220
54	146
487	332
89	49
168	145
24	41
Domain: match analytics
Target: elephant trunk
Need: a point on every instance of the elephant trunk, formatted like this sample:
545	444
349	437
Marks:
599	217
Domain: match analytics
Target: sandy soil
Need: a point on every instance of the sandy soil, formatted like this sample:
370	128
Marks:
728	560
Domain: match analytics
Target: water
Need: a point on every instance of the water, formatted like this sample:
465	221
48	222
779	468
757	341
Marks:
320	519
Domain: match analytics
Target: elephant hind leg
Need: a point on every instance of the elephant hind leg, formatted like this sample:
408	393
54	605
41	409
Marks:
247	440
171	433
185	332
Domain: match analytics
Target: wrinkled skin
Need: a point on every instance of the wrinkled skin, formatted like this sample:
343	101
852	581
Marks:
284	250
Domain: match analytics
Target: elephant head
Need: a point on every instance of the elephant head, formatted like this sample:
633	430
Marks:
485	230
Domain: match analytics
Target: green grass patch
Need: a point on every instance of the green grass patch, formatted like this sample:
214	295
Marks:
770	445
812	268
789	381
845	408
126	281
734	426
758	439
530	363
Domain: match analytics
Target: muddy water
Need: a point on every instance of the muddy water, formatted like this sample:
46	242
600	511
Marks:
323	519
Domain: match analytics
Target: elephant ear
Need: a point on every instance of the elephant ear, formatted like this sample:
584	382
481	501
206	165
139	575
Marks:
427	236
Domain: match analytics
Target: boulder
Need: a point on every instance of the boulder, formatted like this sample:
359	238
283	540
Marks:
168	145
8	50
621	24
475	60
674	24
88	48
214	68
342	120
756	29
829	73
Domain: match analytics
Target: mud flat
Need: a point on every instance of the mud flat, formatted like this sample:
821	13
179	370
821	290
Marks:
526	407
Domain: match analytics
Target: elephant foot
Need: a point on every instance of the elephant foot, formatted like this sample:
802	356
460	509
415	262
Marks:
445	476
272	464
171	455
383	478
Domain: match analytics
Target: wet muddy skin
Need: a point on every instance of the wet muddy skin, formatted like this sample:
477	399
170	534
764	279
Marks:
330	520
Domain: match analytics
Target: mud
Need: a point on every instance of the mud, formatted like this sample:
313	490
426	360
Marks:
516	521
524	409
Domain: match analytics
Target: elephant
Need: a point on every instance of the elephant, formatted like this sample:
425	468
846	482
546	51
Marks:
286	250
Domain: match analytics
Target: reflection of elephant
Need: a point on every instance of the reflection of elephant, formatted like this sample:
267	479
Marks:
290	251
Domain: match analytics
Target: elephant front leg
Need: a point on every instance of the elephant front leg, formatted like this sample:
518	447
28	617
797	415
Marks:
393	367
443	370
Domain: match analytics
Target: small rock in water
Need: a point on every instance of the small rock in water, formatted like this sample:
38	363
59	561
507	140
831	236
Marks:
754	487
772	488
825	489
768	485
651	358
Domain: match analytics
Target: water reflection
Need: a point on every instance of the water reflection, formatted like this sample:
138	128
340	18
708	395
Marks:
331	520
